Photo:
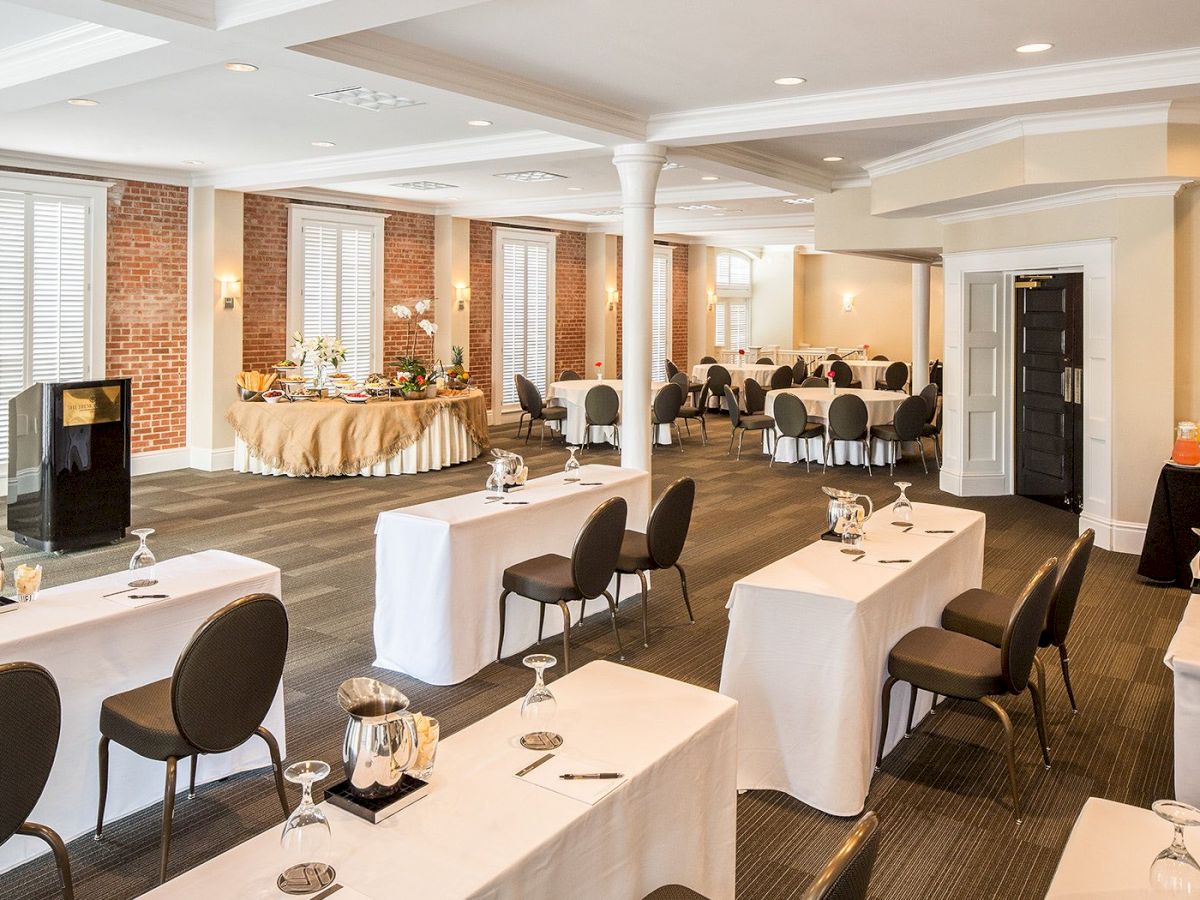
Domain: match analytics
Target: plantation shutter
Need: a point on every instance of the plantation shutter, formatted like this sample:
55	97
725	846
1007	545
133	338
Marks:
338	293
660	316
739	326
526	313
719	325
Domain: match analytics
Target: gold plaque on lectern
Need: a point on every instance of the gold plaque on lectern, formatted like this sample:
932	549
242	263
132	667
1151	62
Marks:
92	405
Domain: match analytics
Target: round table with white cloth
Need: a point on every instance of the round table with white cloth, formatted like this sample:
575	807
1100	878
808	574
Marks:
868	371
881	407
737	377
572	395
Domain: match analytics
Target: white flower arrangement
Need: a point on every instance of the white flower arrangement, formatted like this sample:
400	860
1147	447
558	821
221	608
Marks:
321	350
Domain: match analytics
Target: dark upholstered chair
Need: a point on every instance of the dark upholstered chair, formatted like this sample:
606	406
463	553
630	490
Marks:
819	371
30	719
558	580
672	370
982	614
813	381
799	371
756	397
665	410
707	360
791	421
879	357
661	545
843	375
781	378
601	409
719	379
216	699
698	412
532	405
954	665
846	876
741	422
569	375
764	361
847	421
906	425
895	377
933	420
833	356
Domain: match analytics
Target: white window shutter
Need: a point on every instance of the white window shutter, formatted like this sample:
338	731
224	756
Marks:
338	290
659	316
12	306
525	295
719	336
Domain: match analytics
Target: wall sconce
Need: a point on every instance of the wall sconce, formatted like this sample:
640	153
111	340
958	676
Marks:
463	293
712	300
231	288
614	297
847	303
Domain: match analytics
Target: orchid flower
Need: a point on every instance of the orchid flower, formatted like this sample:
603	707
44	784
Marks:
402	311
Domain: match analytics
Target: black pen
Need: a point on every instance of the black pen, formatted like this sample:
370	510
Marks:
592	775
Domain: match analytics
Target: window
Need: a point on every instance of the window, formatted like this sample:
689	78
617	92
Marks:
733	274
523	310
50	328
731	313
335	282
660	322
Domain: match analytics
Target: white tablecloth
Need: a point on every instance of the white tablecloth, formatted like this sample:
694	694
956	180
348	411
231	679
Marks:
95	647
573	394
868	371
806	654
1109	852
881	407
445	442
438	568
482	832
1183	658
737	377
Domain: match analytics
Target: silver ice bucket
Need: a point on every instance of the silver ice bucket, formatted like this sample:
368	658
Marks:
381	737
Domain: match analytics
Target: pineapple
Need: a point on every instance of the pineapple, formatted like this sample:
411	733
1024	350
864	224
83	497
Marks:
457	371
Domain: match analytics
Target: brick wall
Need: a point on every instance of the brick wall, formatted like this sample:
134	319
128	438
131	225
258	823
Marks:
570	302
678	351
480	311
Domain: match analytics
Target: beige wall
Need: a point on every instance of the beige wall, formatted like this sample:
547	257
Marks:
774	301
882	315
1187	304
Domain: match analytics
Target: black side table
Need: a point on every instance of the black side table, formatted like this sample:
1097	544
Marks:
1170	543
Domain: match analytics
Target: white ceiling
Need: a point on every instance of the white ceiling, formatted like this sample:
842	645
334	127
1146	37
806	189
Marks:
22	23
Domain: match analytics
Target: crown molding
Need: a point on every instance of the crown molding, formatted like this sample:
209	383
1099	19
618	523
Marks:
851	181
345	198
754	165
66	49
898	103
1016	127
581	203
67	165
1164	188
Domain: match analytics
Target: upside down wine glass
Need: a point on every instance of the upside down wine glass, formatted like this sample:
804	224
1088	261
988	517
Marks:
142	562
1175	871
902	509
539	708
571	469
306	839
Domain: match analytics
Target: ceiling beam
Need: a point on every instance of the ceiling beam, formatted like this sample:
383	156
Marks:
749	164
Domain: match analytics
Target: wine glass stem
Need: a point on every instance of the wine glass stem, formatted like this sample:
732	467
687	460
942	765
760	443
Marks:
1178	846
307	798
539	682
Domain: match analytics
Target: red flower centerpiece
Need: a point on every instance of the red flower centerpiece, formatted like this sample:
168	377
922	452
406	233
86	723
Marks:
742	351
599	371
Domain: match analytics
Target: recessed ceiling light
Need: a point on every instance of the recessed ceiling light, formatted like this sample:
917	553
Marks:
193	162
1037	47
709	178
694	207
668	166
241	67
574	189
83	101
324	144
789	81
425	186
365	98
451	199
604	213
479	123
531	175
718	214
833	158
797	201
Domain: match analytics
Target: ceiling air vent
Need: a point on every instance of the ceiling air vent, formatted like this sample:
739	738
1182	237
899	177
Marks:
530	176
365	98
425	186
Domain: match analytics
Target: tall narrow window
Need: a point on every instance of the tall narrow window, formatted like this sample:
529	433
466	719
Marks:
45	291
335	283
660	321
732	310
523	310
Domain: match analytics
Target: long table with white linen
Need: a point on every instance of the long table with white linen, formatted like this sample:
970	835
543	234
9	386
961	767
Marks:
806	654
1109	852
881	407
482	832
95	647
1183	658
438	568
573	394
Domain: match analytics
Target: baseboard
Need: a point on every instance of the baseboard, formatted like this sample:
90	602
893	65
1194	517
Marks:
967	485
215	460
154	461
1111	534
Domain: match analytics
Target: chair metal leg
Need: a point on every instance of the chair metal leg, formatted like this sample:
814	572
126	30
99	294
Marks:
1065	659
912	705
542	437
924	464
276	765
61	859
732	437
683	586
645	615
503	607
771	464
703	432
867	456
103	753
741	435
529	430
1041	674
192	778
1039	713
807	454
1008	746
678	436
892	461
167	813
885	709
541	620
562	604
933	705
612	611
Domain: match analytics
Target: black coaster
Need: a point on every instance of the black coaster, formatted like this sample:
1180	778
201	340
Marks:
376	809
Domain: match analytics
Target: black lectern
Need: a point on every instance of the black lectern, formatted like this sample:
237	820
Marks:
68	464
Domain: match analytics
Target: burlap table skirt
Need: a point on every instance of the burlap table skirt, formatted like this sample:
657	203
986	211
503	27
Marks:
333	437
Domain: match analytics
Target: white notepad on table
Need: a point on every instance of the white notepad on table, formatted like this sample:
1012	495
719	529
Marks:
586	790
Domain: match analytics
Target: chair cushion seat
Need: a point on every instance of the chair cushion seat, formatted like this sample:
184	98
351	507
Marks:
979	614
141	720
885	432
690	412
554	413
947	663
929	430
756	422
635	553
674	892
546	579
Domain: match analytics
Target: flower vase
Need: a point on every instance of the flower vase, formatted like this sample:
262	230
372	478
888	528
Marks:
431	391
832	388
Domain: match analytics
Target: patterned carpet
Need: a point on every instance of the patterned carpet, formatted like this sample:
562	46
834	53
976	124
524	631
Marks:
941	795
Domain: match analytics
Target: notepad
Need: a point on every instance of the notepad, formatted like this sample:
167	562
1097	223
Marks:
586	790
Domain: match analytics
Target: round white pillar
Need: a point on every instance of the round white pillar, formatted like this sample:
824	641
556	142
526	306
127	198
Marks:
639	166
920	326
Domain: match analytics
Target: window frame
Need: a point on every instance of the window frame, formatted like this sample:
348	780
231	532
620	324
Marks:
500	236
729	295
298	216
729	290
667	253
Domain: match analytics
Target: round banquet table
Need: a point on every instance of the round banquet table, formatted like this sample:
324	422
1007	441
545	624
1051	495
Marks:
881	406
869	371
737	377
320	438
572	394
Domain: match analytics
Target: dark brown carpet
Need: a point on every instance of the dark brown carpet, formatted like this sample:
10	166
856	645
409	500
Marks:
941	795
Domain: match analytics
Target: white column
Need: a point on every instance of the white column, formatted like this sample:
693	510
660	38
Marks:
920	326
639	166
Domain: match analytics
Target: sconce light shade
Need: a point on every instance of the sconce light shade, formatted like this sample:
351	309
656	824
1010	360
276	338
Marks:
231	289
614	297
463	293
847	303
712	299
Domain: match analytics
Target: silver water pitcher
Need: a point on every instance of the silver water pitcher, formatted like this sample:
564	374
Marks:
381	736
842	505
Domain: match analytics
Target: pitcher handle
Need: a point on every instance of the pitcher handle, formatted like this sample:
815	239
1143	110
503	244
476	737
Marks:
870	506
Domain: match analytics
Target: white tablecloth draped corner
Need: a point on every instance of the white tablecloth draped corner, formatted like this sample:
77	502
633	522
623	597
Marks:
881	407
1183	658
573	394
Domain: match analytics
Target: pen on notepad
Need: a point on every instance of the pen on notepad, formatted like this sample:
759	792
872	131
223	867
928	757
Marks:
572	777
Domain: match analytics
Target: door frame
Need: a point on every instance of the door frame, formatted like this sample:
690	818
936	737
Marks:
992	471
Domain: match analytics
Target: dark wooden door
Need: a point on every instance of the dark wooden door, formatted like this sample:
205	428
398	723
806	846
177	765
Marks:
1049	389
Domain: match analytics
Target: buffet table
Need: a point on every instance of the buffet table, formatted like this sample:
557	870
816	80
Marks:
438	568
96	646
807	648
483	832
881	407
381	437
1171	543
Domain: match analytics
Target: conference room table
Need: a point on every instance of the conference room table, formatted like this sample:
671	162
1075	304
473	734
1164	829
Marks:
439	565
881	407
483	831
96	646
573	394
807	648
